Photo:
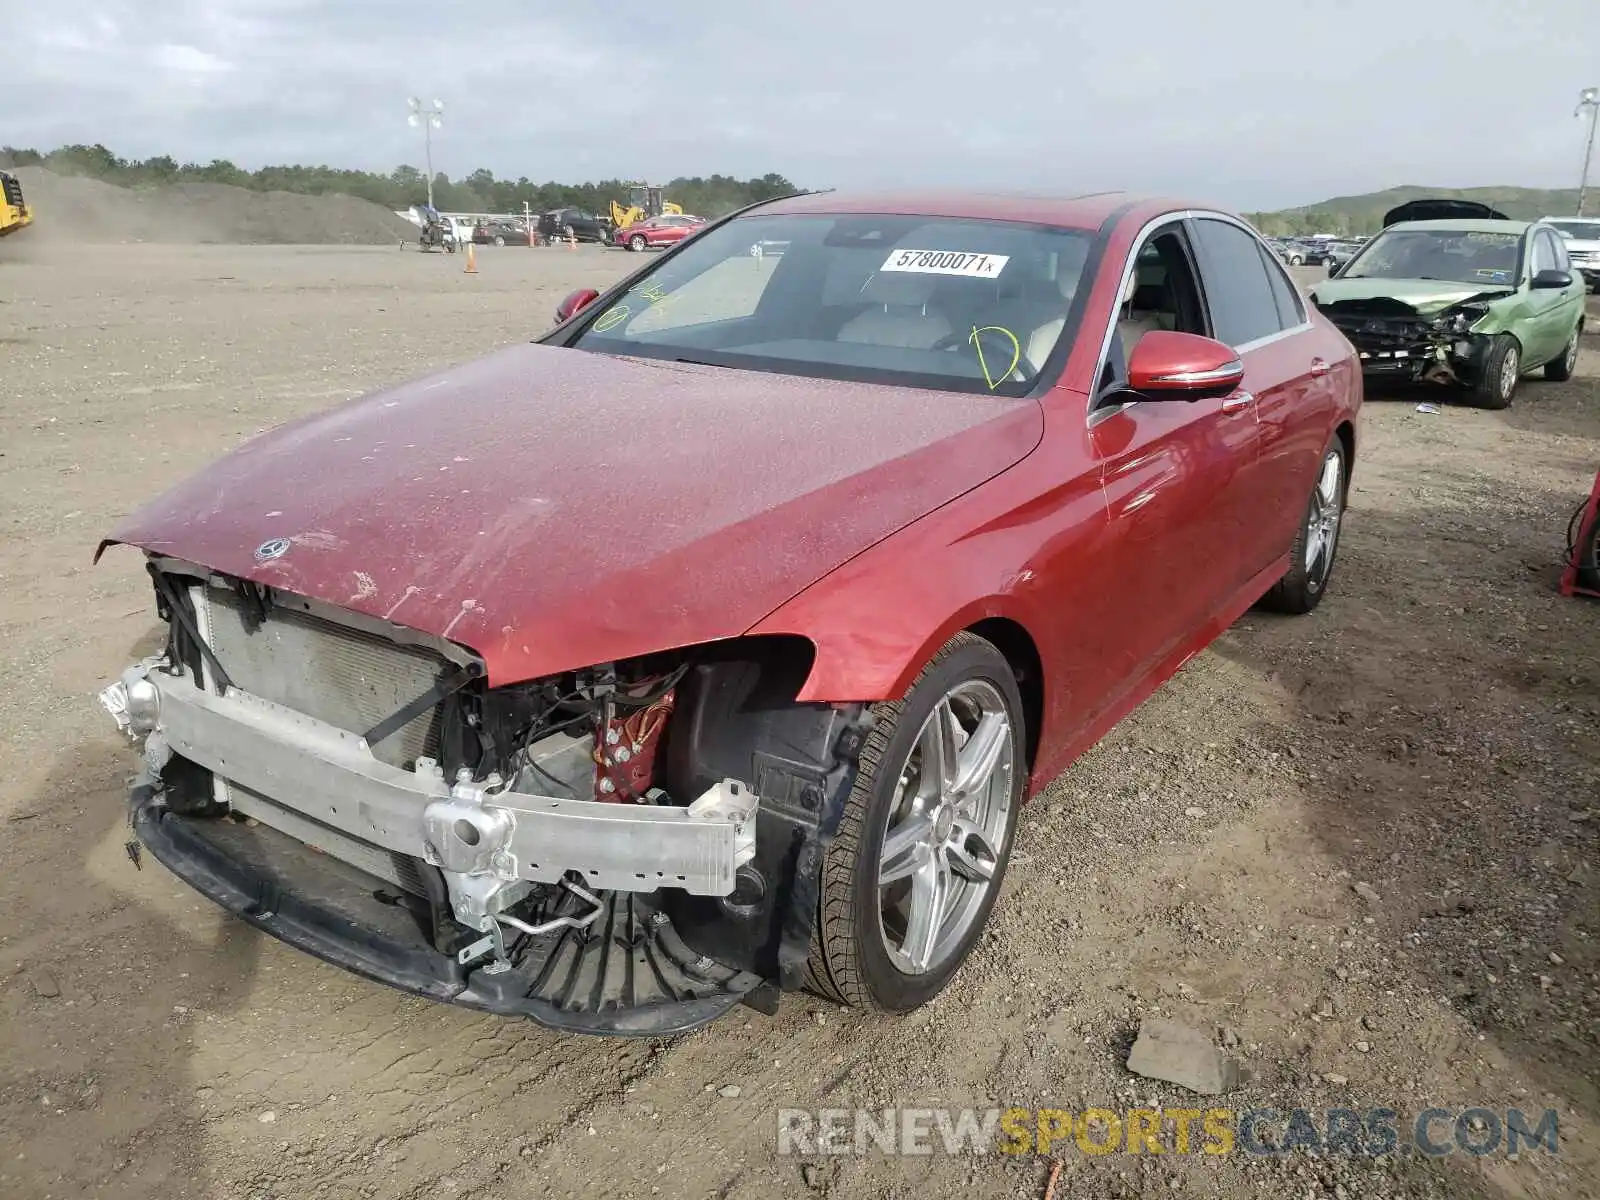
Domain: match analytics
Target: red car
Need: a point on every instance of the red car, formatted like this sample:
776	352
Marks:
655	232
710	645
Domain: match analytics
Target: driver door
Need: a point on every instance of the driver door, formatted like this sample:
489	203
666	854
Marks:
1176	478
1552	312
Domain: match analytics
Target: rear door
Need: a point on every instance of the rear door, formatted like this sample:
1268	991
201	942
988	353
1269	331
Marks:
1289	371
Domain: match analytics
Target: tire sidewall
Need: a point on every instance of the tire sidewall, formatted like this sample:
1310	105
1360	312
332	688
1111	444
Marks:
890	988
1493	390
1298	592
1318	584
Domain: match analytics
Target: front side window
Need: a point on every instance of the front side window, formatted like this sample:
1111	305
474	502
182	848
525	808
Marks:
1544	257
1555	250
1488	258
955	304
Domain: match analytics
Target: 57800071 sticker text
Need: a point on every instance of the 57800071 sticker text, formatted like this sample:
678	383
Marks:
947	262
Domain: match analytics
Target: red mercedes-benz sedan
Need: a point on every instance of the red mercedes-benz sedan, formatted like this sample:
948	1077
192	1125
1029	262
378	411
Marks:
709	645
656	232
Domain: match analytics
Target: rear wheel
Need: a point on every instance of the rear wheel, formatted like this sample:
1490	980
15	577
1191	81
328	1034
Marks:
911	877
637	242
499	239
1560	370
1502	368
1311	560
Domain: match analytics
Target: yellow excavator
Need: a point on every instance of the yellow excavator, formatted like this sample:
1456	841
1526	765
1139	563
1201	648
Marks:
14	214
644	201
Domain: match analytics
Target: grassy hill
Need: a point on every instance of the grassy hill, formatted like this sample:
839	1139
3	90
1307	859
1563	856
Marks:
1364	214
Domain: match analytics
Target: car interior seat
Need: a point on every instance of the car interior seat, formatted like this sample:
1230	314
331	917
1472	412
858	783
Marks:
1146	305
899	314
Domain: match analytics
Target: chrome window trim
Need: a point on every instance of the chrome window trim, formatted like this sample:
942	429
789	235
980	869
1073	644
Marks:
1098	412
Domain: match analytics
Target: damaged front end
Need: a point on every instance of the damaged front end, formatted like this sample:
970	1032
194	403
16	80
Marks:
628	849
1397	341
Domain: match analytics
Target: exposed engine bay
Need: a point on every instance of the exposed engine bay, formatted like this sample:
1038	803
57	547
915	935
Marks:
1396	341
626	848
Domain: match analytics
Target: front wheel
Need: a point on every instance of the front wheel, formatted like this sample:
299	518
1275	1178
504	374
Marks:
637	242
1561	369
1311	560
909	881
1502	368
499	239
1296	261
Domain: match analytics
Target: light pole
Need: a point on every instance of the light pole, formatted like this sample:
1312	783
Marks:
1588	99
430	119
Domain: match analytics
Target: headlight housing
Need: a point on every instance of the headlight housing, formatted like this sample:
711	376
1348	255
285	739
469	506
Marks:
1461	320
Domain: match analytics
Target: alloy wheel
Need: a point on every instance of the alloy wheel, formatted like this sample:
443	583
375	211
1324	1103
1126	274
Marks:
950	816
1322	523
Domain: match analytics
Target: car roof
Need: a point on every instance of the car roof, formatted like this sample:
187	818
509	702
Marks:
1468	225
1082	211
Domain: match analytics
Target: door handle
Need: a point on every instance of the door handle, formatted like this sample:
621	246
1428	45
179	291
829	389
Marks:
1319	366
1237	402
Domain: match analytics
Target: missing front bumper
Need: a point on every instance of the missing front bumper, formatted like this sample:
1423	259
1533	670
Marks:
628	973
490	842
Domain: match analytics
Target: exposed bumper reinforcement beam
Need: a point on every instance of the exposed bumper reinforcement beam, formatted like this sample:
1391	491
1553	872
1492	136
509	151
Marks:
471	830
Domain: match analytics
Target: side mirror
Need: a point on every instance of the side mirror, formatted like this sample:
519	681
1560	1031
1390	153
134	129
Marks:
1550	279
1333	268
1183	366
575	302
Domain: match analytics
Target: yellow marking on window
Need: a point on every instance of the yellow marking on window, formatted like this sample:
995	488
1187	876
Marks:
611	319
983	363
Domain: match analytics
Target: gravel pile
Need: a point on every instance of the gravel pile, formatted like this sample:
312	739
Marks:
68	208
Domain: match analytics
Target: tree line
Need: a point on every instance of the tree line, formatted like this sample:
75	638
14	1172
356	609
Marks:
480	191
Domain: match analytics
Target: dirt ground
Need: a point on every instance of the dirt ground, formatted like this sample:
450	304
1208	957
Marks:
1432	732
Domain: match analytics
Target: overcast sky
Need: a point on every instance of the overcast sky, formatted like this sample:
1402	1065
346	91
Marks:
1248	103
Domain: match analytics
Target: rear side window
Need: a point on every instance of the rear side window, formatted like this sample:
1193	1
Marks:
1290	312
1238	289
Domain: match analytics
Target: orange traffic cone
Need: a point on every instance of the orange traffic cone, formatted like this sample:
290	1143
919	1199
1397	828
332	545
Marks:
472	261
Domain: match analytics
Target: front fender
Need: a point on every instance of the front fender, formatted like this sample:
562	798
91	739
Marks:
876	620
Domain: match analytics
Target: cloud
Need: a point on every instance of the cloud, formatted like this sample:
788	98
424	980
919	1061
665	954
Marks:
1252	104
188	60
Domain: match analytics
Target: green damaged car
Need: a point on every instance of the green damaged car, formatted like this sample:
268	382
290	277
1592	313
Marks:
1452	292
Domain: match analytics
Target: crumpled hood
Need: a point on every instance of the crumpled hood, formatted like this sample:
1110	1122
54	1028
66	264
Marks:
1427	296
553	508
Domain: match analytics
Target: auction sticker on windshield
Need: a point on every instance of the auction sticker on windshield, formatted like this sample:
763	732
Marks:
947	262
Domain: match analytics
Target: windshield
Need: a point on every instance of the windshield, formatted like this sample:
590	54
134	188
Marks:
1583	231
963	305
1454	255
